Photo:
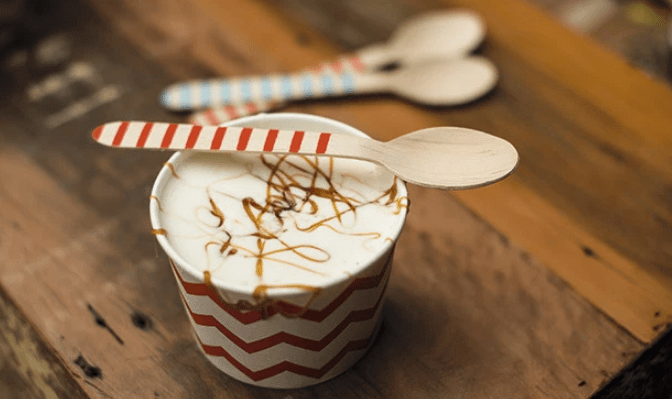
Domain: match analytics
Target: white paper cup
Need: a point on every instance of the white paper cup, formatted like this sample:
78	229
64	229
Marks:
283	344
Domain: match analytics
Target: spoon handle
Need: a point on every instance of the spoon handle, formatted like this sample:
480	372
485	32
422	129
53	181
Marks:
320	81
218	115
375	55
221	114
173	136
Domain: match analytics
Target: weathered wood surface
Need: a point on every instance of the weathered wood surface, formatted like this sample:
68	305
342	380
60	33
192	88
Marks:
475	305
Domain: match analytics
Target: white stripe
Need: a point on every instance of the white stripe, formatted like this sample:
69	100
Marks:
132	134
199	119
284	140
358	300
221	116
172	97
288	379
285	352
257	139
180	138
108	133
276	88
205	138
231	137
156	135
309	143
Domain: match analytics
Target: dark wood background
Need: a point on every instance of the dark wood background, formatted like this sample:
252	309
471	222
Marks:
544	285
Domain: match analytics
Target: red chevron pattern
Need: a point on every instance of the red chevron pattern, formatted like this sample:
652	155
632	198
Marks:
281	307
283	337
271	341
287	366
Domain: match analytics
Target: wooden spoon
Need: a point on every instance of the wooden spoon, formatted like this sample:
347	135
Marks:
438	34
446	82
442	157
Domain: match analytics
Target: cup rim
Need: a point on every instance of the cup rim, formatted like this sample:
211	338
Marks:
165	174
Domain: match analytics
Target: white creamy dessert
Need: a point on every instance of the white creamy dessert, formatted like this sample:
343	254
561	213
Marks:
249	220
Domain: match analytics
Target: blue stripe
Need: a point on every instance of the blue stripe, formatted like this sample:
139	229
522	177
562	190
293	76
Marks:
185	96
165	98
327	85
266	88
225	92
286	87
348	82
246	90
205	93
307	83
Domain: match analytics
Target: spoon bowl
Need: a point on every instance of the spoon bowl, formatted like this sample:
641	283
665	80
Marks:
446	82
439	34
450	157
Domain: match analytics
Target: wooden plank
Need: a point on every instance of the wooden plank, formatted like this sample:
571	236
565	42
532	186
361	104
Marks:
612	106
486	309
647	377
29	368
581	155
468	312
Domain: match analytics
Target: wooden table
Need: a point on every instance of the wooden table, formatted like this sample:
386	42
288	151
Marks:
544	285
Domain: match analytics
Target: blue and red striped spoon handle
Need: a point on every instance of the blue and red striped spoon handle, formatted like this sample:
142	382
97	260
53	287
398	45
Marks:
217	115
327	79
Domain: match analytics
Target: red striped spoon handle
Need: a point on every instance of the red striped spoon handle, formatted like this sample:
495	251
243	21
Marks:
443	157
176	136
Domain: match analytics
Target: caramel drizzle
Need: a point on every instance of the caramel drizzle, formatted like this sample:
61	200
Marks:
263	302
172	169
153	197
286	194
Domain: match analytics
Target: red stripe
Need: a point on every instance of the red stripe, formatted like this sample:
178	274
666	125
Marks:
283	337
251	108
168	136
231	111
219	137
288	366
356	63
244	138
322	143
283	366
144	134
336	66
120	134
295	146
193	136
284	308
270	140
211	117
96	133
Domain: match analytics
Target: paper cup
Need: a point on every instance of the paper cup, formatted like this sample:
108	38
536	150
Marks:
291	340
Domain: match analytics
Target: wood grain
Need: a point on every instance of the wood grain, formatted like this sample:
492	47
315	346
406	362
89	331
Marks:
28	367
475	307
